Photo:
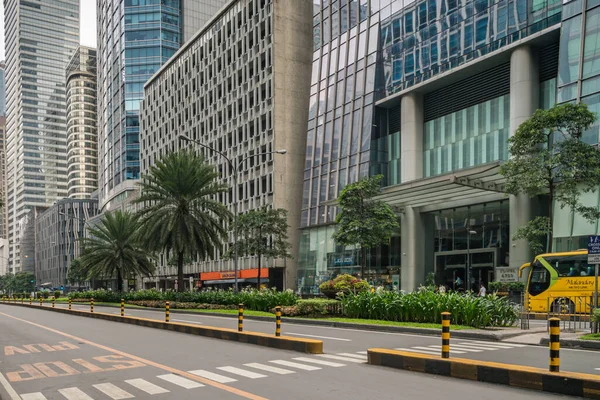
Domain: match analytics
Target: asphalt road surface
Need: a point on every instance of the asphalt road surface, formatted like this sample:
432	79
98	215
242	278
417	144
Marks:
47	355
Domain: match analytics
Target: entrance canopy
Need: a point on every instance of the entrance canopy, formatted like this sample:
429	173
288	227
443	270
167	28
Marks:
445	189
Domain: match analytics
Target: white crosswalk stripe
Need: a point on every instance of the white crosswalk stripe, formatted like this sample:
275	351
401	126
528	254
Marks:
269	368
319	362
499	345
462	347
362	352
146	386
431	352
291	364
359	356
439	347
212	376
242	372
340	358
465	348
474	347
74	394
33	396
112	391
180	381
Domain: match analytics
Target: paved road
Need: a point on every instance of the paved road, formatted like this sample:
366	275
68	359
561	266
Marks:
54	356
340	340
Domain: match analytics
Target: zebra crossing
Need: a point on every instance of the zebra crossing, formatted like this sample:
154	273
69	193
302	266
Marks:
462	347
167	383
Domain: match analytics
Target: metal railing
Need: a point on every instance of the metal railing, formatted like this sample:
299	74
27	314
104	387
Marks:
574	312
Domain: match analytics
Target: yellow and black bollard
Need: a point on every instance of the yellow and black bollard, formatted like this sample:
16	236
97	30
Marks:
52	301
92	304
445	335
30	300
167	311
70	303
41	301
122	307
554	344
278	321
240	318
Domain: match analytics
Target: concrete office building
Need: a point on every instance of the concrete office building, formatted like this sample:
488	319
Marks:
427	94
135	37
57	233
239	86
41	38
82	131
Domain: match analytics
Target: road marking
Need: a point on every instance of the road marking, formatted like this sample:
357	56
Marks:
295	365
33	396
495	346
242	372
501	344
189	322
359	356
180	381
430	352
212	376
320	362
319	337
362	352
340	358
268	368
112	391
463	347
146	386
437	347
9	389
74	394
472	347
193	377
597	369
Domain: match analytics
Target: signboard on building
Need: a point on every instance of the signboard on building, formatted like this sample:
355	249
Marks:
507	274
594	250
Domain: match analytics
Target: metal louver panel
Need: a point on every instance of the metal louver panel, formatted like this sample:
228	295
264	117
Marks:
548	62
394	120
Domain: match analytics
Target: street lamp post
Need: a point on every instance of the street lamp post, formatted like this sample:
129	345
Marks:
235	168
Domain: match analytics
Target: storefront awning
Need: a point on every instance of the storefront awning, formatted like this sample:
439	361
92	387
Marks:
230	281
445	189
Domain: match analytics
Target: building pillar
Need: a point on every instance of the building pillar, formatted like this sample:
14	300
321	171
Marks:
412	270
524	100
411	137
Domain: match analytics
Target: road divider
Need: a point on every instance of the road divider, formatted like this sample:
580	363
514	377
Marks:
567	383
302	345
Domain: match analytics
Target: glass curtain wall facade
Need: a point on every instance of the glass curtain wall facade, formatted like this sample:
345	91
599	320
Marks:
41	38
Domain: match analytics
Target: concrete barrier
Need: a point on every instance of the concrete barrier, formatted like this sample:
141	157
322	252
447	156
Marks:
567	383
262	339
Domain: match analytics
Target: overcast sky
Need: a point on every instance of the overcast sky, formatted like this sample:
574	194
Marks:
88	24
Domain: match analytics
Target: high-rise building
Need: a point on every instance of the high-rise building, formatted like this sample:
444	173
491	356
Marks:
240	87
3	212
2	89
82	131
135	37
41	38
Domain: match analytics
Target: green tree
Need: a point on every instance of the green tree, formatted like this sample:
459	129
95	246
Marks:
363	221
114	248
7	283
548	157
24	282
264	234
180	216
76	274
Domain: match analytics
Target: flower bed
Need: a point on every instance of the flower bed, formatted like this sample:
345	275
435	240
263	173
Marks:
343	284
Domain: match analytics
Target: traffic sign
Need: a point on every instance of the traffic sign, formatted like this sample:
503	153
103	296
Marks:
594	250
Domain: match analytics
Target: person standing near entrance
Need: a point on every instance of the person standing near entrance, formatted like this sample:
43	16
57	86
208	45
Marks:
482	290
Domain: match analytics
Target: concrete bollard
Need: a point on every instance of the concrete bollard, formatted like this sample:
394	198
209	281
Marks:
278	321
554	344
122	307
53	301
167	311
445	335
240	318
41	301
70	303
30	300
92	305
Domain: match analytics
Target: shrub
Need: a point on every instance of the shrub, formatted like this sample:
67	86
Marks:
344	283
57	294
596	316
40	295
46	294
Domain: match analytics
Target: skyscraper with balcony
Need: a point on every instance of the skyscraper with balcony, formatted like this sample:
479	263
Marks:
135	37
41	38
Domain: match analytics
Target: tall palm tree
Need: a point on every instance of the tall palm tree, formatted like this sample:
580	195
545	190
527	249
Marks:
180	216
114	248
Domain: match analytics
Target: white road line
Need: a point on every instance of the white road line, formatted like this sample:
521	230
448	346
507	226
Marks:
359	356
436	347
493	346
340	358
242	372
472	347
463	347
187	322
319	337
597	369
268	368
430	352
180	381
362	352
146	386
212	376
112	391
295	365
74	394
501	344
319	362
33	396
9	389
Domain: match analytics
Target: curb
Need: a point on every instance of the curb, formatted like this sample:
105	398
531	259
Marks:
566	383
495	336
261	339
575	343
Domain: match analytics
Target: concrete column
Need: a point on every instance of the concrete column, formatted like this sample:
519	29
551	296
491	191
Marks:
411	137
524	100
413	250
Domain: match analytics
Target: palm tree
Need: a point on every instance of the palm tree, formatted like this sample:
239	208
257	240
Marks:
114	248
180	216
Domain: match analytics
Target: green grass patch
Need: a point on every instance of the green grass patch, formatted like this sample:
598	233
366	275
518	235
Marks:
391	323
591	336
